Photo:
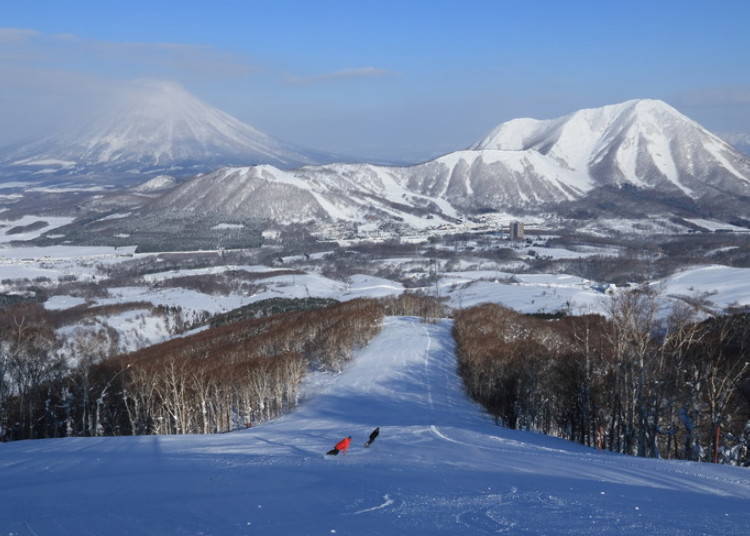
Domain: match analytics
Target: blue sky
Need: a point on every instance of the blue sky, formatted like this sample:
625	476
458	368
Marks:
397	80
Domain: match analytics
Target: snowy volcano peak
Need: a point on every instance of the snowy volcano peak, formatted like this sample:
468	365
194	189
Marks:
160	122
643	142
160	126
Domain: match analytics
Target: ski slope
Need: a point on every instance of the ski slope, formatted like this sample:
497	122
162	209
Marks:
439	467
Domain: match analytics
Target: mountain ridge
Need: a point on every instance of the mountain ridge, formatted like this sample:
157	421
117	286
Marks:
523	164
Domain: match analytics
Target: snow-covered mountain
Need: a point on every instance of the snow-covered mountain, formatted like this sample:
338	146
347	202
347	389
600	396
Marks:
157	184
336	192
439	466
522	164
645	143
151	128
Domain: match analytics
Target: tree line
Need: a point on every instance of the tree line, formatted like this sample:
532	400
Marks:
635	382
217	380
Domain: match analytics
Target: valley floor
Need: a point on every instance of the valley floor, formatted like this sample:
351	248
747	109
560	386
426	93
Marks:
440	466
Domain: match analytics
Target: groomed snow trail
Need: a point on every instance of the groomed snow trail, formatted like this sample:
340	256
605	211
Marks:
439	466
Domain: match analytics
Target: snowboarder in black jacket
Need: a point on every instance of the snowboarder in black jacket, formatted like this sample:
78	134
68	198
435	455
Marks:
373	435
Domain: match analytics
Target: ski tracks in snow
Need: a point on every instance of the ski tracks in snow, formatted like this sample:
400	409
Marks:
427	366
387	502
428	385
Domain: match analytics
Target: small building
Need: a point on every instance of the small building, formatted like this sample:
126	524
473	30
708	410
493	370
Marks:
516	230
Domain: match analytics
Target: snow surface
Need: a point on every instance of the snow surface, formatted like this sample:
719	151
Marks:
211	270
54	262
158	183
56	303
65	189
712	225
190	300
440	466
654	224
115	216
282	286
52	223
526	293
722	286
136	329
221	226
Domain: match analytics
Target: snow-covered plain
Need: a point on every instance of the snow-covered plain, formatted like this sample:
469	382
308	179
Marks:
721	286
57	261
466	283
527	293
52	222
440	466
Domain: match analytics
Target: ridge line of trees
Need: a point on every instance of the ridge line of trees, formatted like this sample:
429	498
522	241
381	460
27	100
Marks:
216	380
223	378
634	382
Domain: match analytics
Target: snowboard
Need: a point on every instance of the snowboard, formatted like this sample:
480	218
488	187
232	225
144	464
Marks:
332	452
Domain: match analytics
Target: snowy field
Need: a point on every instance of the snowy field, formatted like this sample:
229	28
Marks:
50	222
721	286
55	262
527	293
439	467
474	281
655	224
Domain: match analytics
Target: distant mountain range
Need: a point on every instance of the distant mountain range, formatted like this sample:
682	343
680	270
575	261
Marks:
522	165
157	127
594	159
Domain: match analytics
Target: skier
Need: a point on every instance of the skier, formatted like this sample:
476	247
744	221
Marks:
373	435
341	446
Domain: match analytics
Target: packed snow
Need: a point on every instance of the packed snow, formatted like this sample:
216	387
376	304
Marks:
439	466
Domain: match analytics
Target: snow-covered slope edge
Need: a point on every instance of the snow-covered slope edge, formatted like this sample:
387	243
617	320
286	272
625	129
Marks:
439	467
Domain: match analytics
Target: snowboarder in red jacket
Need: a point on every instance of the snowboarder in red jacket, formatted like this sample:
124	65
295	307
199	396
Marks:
341	446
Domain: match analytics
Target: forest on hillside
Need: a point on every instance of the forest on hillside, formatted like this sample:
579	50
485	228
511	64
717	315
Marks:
633	382
233	374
